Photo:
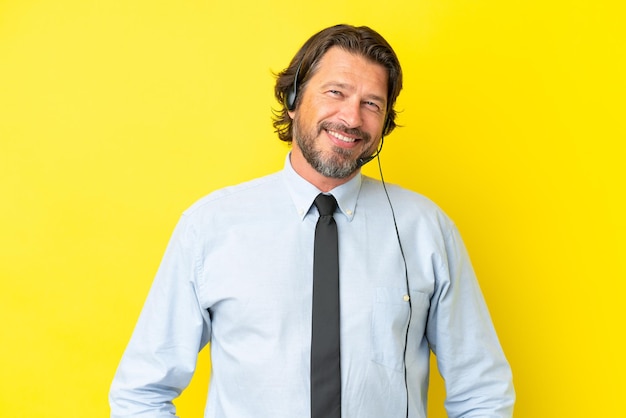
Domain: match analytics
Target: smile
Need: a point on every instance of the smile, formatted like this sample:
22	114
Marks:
341	137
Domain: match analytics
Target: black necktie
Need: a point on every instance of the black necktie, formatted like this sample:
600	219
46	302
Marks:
325	359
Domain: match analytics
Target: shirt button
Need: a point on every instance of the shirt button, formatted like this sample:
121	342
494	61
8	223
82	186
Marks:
349	212
406	298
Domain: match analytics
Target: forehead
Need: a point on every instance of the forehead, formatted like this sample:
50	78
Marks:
343	65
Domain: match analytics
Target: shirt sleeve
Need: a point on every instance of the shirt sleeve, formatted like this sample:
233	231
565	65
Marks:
470	359
172	328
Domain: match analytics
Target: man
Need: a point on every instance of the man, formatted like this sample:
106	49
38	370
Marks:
239	273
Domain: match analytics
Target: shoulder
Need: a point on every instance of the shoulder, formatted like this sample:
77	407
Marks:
410	207
243	195
233	205
215	216
403	198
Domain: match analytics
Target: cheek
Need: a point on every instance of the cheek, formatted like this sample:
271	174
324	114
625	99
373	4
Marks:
374	126
319	109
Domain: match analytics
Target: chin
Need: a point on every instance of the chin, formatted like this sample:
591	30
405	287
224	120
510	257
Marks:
335	169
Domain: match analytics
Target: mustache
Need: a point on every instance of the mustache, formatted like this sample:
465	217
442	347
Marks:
338	127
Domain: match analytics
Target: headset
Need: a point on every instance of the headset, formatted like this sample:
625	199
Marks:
290	104
292	94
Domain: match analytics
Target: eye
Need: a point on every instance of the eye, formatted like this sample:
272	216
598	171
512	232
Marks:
335	93
372	106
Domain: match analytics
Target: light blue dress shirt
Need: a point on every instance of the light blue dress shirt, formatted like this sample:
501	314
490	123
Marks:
237	274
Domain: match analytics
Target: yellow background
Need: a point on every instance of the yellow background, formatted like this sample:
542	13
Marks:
116	115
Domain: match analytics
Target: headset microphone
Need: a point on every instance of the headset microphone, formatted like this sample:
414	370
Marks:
364	160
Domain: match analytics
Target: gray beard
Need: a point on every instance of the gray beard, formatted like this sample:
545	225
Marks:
339	165
335	166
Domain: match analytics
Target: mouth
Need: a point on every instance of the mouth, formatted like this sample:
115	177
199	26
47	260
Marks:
342	137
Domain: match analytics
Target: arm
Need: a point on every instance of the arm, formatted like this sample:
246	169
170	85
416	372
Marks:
460	332
172	328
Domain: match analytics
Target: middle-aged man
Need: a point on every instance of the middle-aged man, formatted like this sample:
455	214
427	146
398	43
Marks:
245	265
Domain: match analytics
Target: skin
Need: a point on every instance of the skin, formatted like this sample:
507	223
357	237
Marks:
339	119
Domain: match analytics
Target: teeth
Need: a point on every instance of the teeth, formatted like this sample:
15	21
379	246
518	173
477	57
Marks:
341	137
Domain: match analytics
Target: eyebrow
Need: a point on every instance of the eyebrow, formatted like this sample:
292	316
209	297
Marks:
345	86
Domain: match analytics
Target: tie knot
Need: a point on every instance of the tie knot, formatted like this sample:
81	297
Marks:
325	204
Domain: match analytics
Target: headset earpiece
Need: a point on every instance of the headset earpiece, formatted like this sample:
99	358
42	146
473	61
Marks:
292	94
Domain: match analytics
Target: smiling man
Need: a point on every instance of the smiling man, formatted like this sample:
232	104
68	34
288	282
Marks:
322	292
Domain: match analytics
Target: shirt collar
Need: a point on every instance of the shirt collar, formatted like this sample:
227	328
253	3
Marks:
304	193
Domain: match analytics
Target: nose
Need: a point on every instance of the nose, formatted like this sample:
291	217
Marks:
350	113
